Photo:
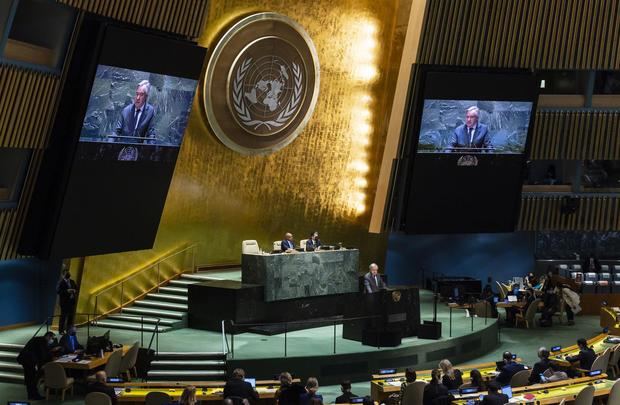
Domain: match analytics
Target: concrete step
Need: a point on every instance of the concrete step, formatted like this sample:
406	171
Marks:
190	356
130	326
11	347
198	277
161	304
147	320
185	375
11	367
167	297
14	378
173	290
155	312
188	365
183	282
8	356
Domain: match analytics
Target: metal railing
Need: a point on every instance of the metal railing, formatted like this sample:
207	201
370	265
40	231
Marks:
123	284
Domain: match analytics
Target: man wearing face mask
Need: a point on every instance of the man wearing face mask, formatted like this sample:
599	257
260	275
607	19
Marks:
69	342
67	298
35	354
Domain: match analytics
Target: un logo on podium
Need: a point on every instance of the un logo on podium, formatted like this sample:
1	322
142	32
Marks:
261	84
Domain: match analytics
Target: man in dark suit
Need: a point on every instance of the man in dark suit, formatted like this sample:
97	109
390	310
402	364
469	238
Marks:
372	280
137	119
288	244
313	243
346	396
509	369
67	298
494	397
541	366
585	357
100	385
69	342
35	354
472	134
237	389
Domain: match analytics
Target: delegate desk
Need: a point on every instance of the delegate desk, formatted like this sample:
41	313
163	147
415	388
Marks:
205	391
597	343
302	274
550	393
88	362
382	386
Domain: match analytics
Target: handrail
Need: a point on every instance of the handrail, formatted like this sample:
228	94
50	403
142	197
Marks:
122	282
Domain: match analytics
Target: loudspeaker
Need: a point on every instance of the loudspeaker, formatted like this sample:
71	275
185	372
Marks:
429	330
382	338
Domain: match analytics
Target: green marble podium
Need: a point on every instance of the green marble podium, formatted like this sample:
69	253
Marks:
303	274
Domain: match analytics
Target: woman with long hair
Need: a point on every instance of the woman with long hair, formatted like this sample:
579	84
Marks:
452	378
188	397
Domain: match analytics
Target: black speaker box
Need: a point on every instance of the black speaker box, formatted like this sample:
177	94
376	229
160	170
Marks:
429	330
382	338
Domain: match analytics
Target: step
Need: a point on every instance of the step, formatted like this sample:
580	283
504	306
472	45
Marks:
185	375
183	282
173	290
168	297
14	378
155	312
188	365
130	326
8	356
10	367
190	356
11	347
147	320
199	277
161	304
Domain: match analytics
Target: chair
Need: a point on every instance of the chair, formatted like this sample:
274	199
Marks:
613	361
128	362
600	363
605	268
520	379
614	394
414	393
97	398
113	366
530	314
157	398
277	246
250	247
483	309
562	402
585	396
502	292
302	244
56	379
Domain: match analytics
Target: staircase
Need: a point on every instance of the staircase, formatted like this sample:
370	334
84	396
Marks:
169	305
10	370
188	366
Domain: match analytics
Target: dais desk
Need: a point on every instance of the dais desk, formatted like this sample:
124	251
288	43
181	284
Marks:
597	343
88	363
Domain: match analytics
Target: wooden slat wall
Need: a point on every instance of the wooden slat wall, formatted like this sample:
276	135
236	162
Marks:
576	135
183	17
595	213
550	34
26	113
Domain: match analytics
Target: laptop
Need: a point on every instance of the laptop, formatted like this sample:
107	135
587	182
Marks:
512	298
468	390
357	400
556	349
507	390
384	371
252	381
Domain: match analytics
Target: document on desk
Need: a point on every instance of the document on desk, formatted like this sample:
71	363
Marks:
395	383
66	358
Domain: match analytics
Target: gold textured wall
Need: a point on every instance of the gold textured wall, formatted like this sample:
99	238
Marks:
325	180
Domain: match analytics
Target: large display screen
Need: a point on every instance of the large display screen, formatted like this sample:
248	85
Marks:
135	115
474	126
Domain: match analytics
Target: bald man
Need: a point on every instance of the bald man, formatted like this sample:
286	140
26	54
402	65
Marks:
288	244
100	385
372	279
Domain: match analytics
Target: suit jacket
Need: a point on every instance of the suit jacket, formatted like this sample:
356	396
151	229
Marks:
312	244
460	137
236	387
145	129
306	398
99	387
433	393
495	399
507	372
65	297
289	395
539	368
370	286
65	343
345	398
453	384
287	244
35	352
585	358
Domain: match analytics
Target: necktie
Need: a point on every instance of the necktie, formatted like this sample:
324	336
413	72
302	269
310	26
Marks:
376	281
71	338
471	137
135	118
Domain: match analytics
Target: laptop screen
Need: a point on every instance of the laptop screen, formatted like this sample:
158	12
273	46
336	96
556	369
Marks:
512	298
252	381
507	390
556	348
387	371
469	390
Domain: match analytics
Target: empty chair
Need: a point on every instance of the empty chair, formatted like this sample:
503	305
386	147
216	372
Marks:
302	244
585	396
97	398
590	276
563	270
520	379
414	393
616	268
113	366
250	247
576	267
604	276
614	394
157	398
528	318
613	361
56	380
500	289
128	362
605	268
277	246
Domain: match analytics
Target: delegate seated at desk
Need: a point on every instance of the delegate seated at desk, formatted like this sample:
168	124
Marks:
69	342
372	280
288	244
313	243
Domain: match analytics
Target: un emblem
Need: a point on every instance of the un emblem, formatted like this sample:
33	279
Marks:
261	84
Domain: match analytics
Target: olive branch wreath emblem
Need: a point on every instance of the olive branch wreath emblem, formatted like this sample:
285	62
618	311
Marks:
243	113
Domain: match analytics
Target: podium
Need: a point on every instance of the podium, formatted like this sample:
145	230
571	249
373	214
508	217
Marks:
385	317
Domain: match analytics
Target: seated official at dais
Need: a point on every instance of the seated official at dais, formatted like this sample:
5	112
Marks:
313	243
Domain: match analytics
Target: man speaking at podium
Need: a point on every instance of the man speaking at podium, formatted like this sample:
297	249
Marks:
472	134
372	280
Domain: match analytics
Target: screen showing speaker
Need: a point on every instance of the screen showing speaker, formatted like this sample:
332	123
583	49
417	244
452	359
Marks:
468	135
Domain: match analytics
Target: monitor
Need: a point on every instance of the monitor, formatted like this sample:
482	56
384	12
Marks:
507	390
384	371
18	403
453	392
468	390
115	380
594	373
356	400
514	356
556	349
252	381
495	300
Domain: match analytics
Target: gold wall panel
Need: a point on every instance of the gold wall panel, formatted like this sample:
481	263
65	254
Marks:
323	181
576	135
552	34
183	17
